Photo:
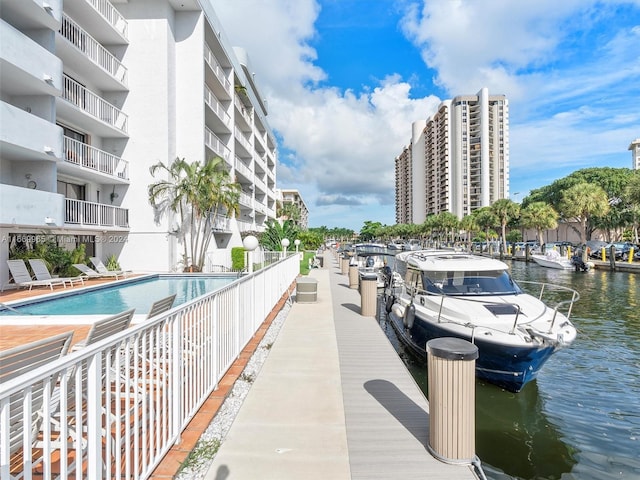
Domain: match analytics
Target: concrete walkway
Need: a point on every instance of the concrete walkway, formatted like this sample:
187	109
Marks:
333	401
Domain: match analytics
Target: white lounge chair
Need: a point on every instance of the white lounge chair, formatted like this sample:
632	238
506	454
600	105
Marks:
13	363
100	267
88	272
22	277
41	272
161	306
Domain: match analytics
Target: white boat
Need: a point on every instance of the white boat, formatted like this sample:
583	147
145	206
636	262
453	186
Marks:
456	294
371	259
553	259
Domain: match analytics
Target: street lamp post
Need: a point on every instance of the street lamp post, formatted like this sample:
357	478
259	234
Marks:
250	243
296	242
285	243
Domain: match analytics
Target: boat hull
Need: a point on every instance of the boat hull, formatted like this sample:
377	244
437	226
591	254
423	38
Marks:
507	366
564	264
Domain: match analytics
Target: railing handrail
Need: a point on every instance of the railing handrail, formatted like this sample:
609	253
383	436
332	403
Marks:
93	104
112	15
84	42
91	157
223	322
211	60
83	212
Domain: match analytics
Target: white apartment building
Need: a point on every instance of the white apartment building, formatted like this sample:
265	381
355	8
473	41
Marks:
92	93
293	196
459	158
635	154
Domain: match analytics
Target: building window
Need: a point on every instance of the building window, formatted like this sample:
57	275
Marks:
71	190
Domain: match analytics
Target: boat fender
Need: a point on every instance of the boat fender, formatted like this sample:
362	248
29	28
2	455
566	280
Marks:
397	310
391	299
409	316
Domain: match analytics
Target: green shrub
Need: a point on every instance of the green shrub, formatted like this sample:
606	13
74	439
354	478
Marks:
237	258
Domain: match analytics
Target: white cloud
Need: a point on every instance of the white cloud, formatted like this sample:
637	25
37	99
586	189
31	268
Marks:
344	142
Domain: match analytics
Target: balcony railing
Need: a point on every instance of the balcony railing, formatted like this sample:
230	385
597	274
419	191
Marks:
112	15
243	169
242	139
94	105
87	156
242	109
215	105
215	144
121	403
99	55
210	58
80	212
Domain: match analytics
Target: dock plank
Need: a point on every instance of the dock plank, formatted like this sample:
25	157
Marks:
386	413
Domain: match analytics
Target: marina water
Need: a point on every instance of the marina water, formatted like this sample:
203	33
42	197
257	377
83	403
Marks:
581	418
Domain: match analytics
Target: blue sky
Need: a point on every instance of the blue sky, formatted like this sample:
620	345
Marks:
345	79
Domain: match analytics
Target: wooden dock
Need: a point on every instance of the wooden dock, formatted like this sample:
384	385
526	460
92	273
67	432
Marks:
333	400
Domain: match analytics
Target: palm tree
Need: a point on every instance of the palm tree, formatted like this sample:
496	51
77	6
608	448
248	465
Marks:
486	219
505	209
197	193
582	202
632	196
288	211
220	195
469	225
169	195
541	216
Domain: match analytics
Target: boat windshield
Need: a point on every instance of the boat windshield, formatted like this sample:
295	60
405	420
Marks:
494	282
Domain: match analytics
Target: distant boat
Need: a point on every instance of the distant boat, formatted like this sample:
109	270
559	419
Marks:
455	294
553	259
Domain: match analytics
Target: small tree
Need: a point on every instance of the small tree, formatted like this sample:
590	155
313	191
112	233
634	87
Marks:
197	194
274	233
582	202
505	210
541	216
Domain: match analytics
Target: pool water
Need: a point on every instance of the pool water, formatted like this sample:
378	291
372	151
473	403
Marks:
138	294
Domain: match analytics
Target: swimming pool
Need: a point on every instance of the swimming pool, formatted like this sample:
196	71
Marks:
133	293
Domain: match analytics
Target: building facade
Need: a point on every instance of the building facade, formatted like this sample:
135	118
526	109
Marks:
635	154
404	198
293	197
459	158
94	93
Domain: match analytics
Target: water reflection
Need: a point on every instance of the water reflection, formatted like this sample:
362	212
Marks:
514	432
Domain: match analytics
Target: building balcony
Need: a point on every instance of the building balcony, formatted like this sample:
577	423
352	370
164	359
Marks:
105	23
24	136
82	52
216	146
243	170
27	207
245	200
218	79
34	14
81	106
216	116
221	224
242	140
95	161
27	68
260	184
90	214
243	110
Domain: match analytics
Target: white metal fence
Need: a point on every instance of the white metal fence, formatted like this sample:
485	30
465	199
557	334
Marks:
117	407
